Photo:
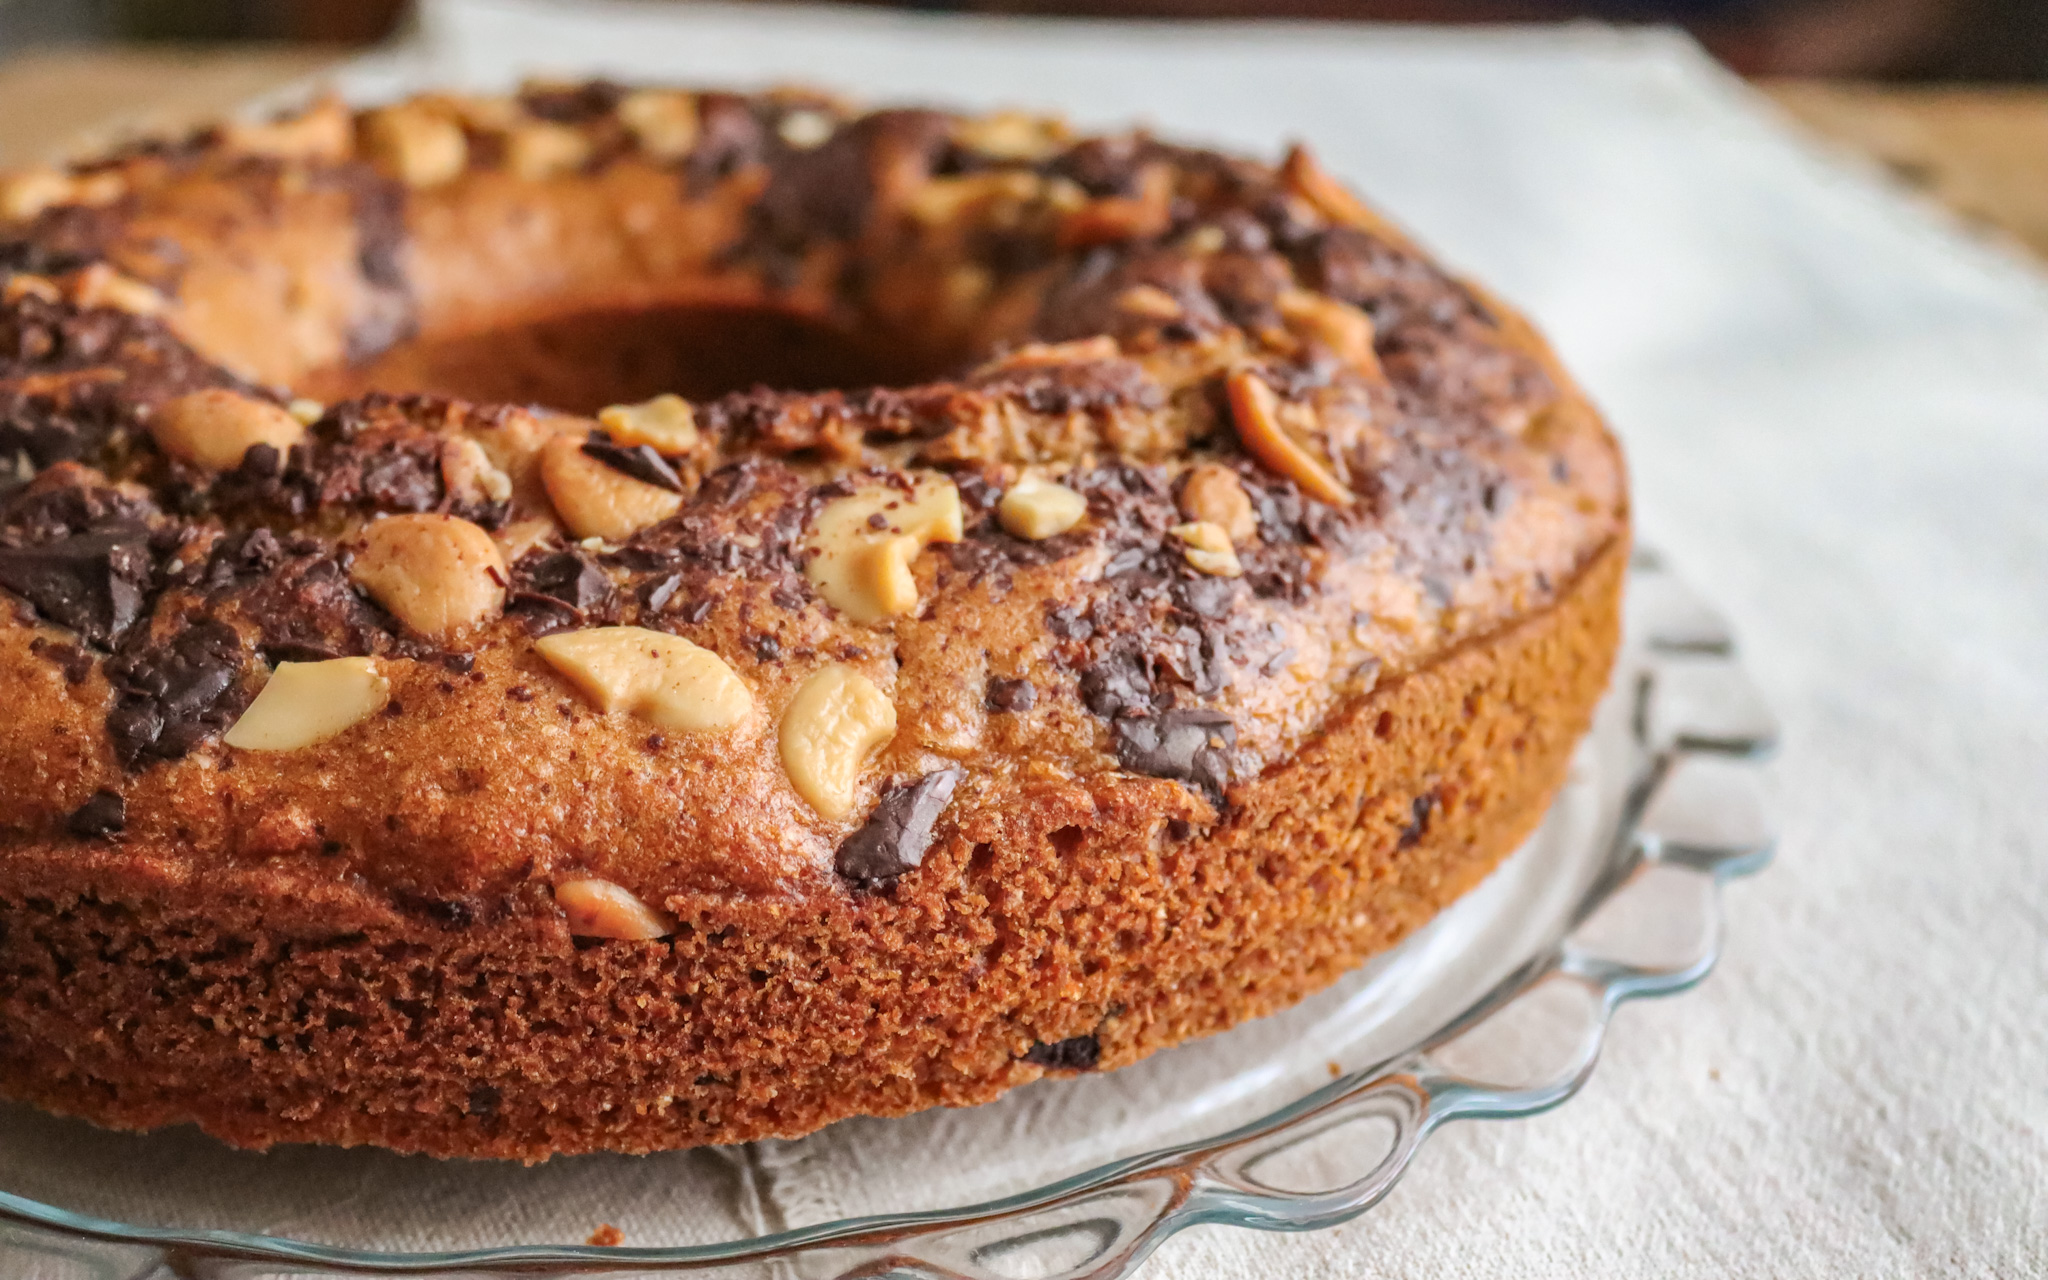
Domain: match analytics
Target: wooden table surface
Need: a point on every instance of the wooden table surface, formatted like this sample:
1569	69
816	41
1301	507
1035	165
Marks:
1981	152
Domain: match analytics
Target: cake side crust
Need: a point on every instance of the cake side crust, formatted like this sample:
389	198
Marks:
1071	930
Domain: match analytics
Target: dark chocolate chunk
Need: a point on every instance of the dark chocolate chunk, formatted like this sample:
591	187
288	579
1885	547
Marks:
977	492
1116	684
1069	622
572	104
309	603
385	313
402	479
767	648
106	814
94	583
1182	744
255	554
298	651
1010	695
1104	166
381	239
1076	1053
49	429
827	191
173	696
262	462
1205	596
662	590
731	484
62	239
570	577
45	515
639	461
730	137
899	831
1419	811
382	474
459	912
1129	560
1242	232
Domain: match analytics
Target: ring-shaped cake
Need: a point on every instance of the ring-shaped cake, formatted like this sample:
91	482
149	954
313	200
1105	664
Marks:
453	703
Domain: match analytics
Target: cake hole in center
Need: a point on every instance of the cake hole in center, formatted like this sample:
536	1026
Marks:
584	361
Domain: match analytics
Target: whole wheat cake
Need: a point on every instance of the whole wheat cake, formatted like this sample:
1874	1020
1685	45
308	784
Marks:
617	619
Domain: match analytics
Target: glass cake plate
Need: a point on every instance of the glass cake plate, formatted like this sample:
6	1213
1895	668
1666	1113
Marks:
1300	1120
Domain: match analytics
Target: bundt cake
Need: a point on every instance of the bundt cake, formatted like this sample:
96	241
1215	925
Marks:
617	619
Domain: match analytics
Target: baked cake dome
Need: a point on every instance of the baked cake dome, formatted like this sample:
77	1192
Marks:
614	619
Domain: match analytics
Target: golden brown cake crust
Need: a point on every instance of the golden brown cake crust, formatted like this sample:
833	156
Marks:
1231	605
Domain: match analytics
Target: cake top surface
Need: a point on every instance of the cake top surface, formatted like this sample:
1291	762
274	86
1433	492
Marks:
1173	457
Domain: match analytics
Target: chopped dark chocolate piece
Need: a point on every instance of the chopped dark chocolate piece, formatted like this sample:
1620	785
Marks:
1419	811
173	696
386	314
253	555
1010	695
730	137
1116	684
309	603
639	461
262	462
94	583
396	477
106	814
1126	561
570	577
298	651
1069	622
1206	596
899	831
663	590
1076	1053
572	104
1188	744
41	515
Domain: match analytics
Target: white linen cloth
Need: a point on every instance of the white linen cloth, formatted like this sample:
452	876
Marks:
1836	409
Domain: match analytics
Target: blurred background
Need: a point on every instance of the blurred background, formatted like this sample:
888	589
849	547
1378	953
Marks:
1975	40
1950	96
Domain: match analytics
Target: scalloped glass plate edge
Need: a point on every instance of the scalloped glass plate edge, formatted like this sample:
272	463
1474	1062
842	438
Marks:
1693	816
